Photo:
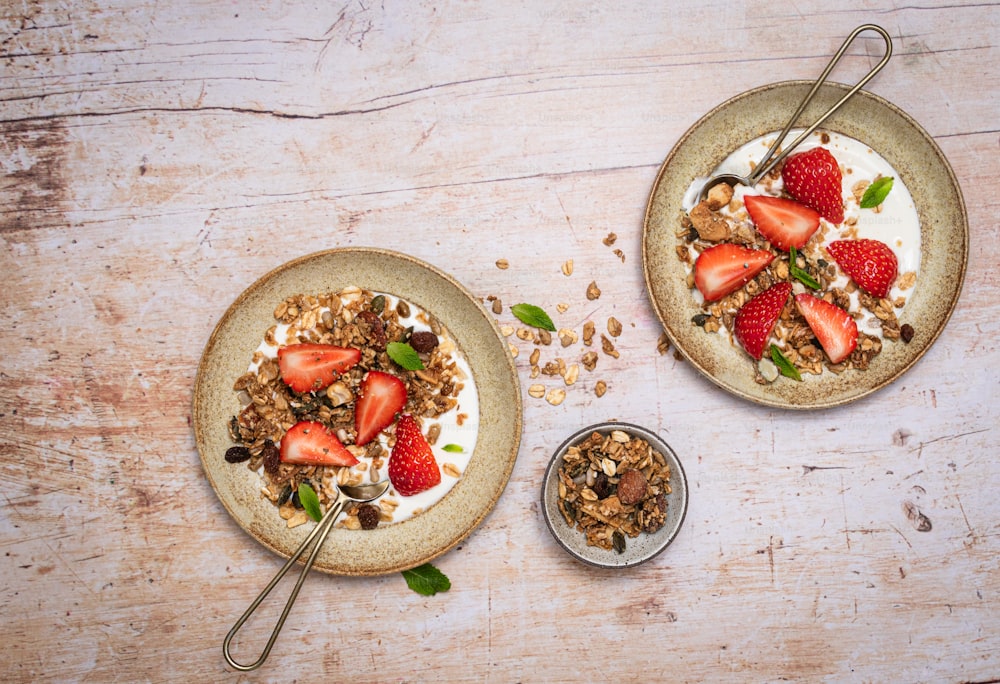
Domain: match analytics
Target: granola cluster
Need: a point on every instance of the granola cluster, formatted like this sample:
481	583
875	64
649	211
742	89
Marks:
721	217
612	487
355	318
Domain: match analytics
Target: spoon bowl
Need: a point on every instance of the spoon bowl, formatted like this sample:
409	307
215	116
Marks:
345	493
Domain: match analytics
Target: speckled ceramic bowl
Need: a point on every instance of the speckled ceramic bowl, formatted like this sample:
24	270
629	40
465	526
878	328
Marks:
887	130
637	549
388	548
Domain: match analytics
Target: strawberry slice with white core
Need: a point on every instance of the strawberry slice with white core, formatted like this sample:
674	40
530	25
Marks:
784	222
381	396
870	263
833	327
755	320
311	443
726	268
312	367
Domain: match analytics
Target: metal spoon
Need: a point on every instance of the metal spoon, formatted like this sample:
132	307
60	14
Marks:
345	493
768	161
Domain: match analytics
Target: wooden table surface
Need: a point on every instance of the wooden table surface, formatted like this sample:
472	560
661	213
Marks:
157	158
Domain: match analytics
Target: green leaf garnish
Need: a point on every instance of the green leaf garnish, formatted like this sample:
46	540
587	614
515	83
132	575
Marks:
426	580
453	448
309	501
404	355
784	365
800	274
534	316
876	193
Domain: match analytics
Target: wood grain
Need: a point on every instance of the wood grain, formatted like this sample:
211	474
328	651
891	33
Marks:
159	157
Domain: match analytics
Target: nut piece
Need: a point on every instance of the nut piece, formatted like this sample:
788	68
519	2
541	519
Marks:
719	196
593	292
610	239
631	487
614	327
600	388
711	227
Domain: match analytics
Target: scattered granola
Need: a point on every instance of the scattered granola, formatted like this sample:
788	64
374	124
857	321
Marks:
613	486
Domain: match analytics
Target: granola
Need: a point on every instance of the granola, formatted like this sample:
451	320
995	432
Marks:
723	218
441	396
613	486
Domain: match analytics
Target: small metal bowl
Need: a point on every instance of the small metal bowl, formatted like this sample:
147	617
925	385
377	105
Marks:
637	550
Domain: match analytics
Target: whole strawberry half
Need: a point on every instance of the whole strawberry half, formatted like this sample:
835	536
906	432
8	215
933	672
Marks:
784	222
833	327
870	263
380	397
311	443
813	177
755	320
412	468
311	367
726	268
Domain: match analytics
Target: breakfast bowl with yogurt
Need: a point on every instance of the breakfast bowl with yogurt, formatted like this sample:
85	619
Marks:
827	279
351	366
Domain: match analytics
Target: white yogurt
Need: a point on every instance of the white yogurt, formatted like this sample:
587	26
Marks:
452	434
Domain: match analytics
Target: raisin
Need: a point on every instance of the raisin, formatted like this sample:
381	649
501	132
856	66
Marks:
237	454
601	485
272	458
906	331
368	516
423	341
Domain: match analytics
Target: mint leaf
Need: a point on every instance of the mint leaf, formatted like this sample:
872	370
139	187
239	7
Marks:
453	448
533	316
784	365
310	502
426	580
404	355
876	193
800	274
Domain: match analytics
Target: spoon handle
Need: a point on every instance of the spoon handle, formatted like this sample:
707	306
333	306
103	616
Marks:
319	533
769	161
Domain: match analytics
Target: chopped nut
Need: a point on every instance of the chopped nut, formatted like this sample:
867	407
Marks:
608	347
562	307
663	344
600	388
620	254
497	306
719	196
614	327
567	337
593	292
589	360
610	239
588	332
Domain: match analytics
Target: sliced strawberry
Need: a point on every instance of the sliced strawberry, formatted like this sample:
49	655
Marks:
312	367
813	177
381	396
755	320
834	328
312	443
786	223
412	468
726	268
871	263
